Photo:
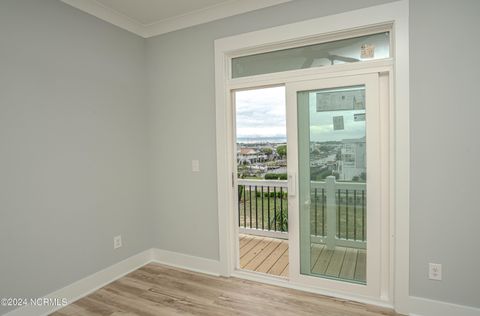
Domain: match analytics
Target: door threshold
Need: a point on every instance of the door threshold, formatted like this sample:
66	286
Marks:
287	283
259	276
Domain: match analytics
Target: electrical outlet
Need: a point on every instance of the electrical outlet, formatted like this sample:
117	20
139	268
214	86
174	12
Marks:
435	271
117	241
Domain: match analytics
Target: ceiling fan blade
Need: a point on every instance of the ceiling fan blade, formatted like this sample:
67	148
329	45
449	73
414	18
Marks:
343	58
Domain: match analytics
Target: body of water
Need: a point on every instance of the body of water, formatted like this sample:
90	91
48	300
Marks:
261	140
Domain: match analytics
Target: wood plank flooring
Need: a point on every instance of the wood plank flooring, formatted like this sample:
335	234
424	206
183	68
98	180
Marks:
156	290
263	254
270	255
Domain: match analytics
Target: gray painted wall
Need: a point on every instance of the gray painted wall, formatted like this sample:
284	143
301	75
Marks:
73	146
182	121
444	144
445	148
83	159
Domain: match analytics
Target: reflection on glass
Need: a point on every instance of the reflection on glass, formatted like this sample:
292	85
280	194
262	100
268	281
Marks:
368	47
332	173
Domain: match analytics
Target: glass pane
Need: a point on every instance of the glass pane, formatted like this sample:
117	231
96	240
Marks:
368	47
332	179
262	201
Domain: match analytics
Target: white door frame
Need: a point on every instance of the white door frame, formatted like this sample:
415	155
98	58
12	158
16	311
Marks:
325	28
378	261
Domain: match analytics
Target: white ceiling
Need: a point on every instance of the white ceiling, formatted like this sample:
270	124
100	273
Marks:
151	11
153	17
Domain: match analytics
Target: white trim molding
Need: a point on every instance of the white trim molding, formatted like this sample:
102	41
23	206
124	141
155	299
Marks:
395	14
103	277
87	285
420	306
280	281
217	12
204	15
107	14
188	262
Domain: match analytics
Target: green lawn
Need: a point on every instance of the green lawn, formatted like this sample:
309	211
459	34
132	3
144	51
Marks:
273	207
253	206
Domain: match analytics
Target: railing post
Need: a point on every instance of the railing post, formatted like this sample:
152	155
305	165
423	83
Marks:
331	212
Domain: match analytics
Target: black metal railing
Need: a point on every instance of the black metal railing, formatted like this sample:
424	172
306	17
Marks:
319	209
263	206
351	207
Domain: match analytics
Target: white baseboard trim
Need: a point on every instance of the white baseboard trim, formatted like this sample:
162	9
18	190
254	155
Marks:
87	285
420	306
192	263
103	277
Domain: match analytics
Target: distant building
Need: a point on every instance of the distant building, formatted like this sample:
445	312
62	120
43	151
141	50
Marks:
353	159
250	155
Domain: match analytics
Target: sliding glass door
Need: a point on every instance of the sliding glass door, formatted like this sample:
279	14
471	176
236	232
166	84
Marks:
334	125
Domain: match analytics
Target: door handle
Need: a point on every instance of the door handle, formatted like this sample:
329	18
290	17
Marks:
291	184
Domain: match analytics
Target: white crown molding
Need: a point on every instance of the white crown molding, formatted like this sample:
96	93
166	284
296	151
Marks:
109	15
208	14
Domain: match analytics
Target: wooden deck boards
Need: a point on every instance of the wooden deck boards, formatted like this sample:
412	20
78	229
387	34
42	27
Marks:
263	254
156	290
270	255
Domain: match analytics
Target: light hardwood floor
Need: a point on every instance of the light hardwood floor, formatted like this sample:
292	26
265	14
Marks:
270	255
160	290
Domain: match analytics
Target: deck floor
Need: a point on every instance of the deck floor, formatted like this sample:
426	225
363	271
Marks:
263	254
270	256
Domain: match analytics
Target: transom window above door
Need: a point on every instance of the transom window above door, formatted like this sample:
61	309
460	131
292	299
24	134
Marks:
350	50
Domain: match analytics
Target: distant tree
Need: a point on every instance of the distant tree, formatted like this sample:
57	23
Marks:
316	152
282	151
267	150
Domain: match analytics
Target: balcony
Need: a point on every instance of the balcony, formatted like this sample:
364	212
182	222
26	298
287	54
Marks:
337	227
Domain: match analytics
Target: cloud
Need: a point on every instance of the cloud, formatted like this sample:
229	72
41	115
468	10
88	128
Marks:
261	112
321	123
321	126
